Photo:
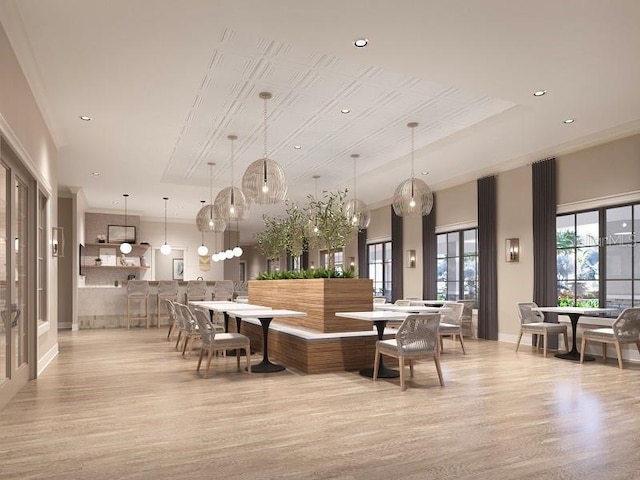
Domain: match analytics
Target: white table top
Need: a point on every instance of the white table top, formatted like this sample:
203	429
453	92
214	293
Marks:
430	302
228	306
373	316
407	309
264	313
578	310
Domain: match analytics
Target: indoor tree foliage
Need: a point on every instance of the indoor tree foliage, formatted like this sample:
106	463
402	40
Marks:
272	240
295	231
334	228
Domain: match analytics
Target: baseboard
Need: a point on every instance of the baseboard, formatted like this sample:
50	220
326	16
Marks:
64	325
47	358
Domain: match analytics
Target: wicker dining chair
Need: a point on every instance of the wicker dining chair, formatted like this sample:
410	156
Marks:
533	322
213	342
417	339
451	323
625	329
167	290
467	317
174	319
190	331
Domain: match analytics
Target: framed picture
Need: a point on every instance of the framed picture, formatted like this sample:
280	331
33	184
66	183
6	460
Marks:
178	269
120	234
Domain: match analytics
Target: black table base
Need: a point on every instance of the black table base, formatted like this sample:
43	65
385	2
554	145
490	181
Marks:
383	372
574	354
267	367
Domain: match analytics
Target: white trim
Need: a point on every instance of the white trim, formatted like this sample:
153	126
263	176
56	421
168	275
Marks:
378	240
47	358
44	327
454	227
594	203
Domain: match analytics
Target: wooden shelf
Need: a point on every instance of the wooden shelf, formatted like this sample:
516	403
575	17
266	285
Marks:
139	246
114	266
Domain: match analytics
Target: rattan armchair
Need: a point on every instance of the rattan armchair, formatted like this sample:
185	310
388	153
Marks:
190	331
625	329
417	339
451	324
213	342
533	322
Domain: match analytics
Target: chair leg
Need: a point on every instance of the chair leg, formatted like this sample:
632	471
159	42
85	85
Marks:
544	341
519	338
128	316
376	364
410	368
170	330
206	372
604	351
179	337
619	352
583	345
403	387
436	360
441	344
238	358
200	359
464	352
185	343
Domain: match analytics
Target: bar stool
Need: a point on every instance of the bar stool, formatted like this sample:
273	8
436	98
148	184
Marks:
167	290
196	291
137	290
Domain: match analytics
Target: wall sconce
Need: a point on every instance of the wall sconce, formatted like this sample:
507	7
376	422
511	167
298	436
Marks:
512	250
411	259
57	242
352	262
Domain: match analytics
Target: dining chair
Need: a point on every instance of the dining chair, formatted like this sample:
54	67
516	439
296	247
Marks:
196	291
403	303
533	322
167	290
379	300
450	323
174	322
467	317
213	342
190	331
137	292
417	339
625	329
223	290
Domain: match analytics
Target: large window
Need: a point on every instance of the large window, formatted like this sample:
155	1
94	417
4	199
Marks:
338	259
457	259
598	257
379	261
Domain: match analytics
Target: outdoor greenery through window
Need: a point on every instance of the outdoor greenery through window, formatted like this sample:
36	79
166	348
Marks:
598	257
379	261
457	259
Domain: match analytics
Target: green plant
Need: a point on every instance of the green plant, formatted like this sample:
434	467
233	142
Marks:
308	273
294	230
271	241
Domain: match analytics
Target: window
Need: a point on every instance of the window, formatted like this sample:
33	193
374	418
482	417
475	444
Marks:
457	258
379	261
338	259
598	257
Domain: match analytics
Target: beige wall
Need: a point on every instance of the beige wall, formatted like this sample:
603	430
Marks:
515	220
412	239
380	226
65	264
456	207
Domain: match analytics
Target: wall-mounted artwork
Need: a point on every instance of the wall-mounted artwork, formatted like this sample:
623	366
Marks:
178	269
120	234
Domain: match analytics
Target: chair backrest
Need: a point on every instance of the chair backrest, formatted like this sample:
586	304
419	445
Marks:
196	289
627	325
138	288
467	311
205	328
171	308
527	315
223	290
452	313
168	288
418	334
378	300
403	303
188	320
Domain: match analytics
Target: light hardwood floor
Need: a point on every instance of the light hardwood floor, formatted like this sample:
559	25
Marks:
120	404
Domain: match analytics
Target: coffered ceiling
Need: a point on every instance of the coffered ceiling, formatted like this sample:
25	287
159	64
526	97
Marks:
165	82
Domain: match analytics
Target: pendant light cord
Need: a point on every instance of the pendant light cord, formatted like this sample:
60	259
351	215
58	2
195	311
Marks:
265	127
165	219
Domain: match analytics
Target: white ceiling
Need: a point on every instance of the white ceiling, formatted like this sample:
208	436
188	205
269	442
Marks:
166	81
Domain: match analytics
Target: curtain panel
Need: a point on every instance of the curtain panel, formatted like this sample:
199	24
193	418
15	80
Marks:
397	265
429	254
487	261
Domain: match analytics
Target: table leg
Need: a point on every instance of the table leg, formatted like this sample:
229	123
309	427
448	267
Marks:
574	354
226	329
383	372
265	366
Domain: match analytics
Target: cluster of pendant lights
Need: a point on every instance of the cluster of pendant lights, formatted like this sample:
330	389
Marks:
263	183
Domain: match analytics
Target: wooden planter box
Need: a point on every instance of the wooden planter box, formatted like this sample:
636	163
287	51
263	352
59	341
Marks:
320	298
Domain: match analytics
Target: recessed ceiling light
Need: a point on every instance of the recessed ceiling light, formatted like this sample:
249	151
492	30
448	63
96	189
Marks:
115	202
345	110
539	93
424	173
297	147
85	118
96	174
569	120
361	42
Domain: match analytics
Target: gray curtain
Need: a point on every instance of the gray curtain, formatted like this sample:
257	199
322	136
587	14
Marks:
544	238
487	261
397	265
429	253
362	254
304	262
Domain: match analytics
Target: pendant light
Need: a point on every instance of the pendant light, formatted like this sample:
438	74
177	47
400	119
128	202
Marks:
231	203
228	253
207	220
355	209
263	181
166	248
203	251
237	250
125	247
413	196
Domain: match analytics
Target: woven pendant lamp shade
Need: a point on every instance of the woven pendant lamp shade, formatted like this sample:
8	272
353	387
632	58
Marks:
412	197
206	219
263	181
357	211
231	203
